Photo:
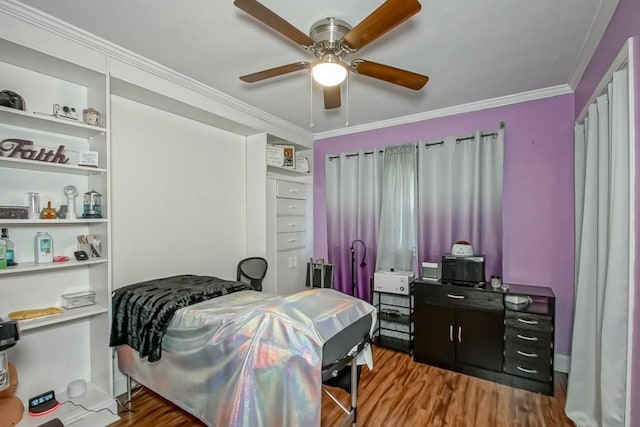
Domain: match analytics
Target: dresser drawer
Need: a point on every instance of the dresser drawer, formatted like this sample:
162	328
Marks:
289	224
290	206
287	241
527	354
458	296
530	338
529	321
522	369
291	190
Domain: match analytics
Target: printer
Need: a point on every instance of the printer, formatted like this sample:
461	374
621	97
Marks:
393	282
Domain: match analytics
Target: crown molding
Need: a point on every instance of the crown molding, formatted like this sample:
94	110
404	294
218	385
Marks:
450	111
56	26
599	25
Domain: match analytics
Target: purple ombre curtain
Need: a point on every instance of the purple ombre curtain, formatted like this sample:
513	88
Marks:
460	197
353	185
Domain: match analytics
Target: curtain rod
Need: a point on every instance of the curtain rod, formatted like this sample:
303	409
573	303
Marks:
429	144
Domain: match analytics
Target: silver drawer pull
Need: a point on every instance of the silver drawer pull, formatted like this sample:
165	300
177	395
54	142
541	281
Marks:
451	333
291	224
455	296
523	337
292	206
293	191
522	353
459	333
293	240
528	371
528	322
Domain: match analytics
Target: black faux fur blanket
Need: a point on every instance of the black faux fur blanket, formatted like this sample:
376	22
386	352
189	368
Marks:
142	311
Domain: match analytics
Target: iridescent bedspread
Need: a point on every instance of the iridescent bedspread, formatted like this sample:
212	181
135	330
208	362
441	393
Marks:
248	358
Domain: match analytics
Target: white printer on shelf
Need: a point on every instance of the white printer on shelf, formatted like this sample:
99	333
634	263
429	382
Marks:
393	282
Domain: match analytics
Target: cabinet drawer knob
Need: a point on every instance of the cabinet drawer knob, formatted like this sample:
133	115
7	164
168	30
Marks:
528	322
293	240
291	206
528	371
524	337
522	353
292	224
455	296
293	191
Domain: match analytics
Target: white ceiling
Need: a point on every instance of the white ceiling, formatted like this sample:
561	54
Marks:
471	50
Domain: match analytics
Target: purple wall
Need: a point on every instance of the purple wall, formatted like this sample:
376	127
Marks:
538	224
625	23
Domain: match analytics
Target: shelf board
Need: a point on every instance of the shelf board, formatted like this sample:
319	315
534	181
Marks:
54	222
286	171
66	316
393	343
33	165
30	267
46	123
404	319
94	399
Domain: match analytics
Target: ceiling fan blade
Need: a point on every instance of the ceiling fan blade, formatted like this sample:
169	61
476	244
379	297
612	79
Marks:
274	72
269	18
389	74
390	14
331	97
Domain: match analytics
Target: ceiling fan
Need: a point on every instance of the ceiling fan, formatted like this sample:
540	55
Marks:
331	40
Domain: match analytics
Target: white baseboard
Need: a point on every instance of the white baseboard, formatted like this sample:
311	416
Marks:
562	363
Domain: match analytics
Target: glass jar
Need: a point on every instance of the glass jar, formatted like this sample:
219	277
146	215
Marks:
92	207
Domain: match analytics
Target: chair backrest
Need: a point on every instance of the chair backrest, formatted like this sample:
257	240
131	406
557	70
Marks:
252	269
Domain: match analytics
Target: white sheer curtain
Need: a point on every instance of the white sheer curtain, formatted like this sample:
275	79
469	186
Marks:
460	197
397	232
596	394
353	185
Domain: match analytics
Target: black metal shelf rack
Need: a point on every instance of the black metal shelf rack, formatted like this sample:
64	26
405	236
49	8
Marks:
395	313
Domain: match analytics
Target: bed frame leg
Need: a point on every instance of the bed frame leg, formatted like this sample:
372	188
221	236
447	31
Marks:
354	391
129	401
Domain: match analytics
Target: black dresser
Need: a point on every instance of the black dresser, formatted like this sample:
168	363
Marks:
476	332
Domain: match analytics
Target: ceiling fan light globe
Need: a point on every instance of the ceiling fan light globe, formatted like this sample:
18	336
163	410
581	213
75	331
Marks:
329	74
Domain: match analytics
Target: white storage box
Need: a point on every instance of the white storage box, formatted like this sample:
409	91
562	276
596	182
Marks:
78	299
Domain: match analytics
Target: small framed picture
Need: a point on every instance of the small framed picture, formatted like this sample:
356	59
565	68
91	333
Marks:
289	152
275	156
88	158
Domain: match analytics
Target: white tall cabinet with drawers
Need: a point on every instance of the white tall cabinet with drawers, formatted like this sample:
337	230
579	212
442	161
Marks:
288	239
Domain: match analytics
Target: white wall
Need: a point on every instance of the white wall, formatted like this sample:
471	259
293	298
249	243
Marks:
179	195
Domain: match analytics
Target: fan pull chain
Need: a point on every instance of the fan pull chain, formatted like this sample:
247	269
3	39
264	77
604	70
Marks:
347	122
310	100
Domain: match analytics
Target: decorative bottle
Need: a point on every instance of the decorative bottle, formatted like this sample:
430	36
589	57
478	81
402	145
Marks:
10	246
43	248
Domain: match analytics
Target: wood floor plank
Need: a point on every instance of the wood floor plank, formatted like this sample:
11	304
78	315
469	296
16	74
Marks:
400	392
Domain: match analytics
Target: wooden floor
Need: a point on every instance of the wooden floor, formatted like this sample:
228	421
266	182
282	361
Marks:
400	392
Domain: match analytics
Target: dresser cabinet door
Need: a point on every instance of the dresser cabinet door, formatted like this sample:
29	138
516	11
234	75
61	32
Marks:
479	338
434	334
292	268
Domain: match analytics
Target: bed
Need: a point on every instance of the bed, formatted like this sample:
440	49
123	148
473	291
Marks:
238	357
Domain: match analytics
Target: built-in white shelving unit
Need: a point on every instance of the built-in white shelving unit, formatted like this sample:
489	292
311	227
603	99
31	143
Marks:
55	350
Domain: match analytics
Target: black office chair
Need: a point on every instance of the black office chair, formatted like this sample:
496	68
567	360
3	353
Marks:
253	270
